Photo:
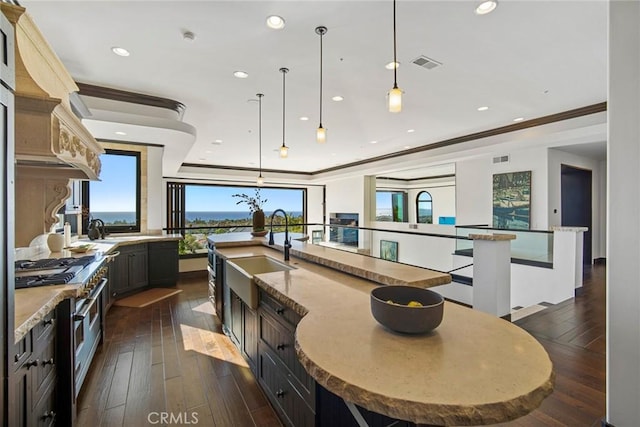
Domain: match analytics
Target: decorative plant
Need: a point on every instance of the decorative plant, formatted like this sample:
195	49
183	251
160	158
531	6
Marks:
255	203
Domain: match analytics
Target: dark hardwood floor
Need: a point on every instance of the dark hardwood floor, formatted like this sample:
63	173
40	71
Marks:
172	357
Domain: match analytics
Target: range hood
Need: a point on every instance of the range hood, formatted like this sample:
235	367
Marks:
47	132
52	146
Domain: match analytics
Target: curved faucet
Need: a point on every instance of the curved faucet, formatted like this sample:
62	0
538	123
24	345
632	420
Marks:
287	243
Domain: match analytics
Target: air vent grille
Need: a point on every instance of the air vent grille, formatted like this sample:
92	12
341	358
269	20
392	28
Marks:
501	159
427	63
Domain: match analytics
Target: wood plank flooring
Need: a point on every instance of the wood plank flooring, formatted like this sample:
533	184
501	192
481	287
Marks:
172	357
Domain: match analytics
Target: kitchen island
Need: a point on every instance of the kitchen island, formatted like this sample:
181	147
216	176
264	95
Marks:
473	369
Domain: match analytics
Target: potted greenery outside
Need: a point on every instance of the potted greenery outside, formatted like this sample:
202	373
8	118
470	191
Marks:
255	207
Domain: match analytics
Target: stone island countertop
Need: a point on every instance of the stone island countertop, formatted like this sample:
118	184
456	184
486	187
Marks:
32	305
473	369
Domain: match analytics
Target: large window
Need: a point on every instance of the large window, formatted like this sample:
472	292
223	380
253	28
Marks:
115	199
391	206
424	208
196	207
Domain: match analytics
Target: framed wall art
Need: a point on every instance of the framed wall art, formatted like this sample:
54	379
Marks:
389	250
512	200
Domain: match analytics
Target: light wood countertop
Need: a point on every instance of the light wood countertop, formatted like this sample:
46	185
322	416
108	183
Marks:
473	369
32	305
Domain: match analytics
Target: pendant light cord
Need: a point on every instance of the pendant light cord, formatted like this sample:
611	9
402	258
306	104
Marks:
260	130
321	34
284	72
395	61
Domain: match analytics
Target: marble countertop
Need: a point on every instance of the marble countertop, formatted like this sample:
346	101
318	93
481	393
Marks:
366	267
32	305
473	369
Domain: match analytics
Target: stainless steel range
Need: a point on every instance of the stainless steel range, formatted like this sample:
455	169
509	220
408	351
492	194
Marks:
80	318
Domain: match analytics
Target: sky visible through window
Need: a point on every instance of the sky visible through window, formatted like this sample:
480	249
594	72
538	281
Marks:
207	198
116	190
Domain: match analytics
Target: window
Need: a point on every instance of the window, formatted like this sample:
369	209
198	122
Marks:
424	208
194	209
391	206
115	199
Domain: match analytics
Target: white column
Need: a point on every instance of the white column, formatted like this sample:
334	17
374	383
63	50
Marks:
568	245
623	244
492	273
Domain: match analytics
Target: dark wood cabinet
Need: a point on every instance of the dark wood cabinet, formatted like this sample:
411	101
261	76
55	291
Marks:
163	263
33	379
235	320
130	270
242	329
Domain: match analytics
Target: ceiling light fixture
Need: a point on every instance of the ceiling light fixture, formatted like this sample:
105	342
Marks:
518	119
120	133
284	150
411	130
240	74
321	133
486	6
260	180
338	98
275	22
304	118
392	65
485	108
120	51
373	142
395	94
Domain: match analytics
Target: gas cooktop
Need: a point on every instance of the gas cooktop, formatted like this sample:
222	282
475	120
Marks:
49	271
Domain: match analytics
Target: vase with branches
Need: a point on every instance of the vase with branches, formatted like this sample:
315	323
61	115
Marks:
255	204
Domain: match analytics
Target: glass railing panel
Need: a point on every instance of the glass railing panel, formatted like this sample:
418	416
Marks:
529	245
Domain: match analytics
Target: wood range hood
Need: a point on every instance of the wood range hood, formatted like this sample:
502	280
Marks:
52	146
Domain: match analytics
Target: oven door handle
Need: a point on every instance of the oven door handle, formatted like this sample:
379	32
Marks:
90	301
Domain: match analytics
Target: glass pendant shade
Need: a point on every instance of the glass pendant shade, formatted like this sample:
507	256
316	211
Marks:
284	151
395	100
260	181
321	135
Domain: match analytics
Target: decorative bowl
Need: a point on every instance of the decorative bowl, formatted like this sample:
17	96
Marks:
389	306
81	249
259	233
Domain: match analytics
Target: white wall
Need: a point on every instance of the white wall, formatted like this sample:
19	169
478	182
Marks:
444	201
155	190
623	252
474	186
558	158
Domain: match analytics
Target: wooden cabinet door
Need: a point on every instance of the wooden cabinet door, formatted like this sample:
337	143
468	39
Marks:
138	268
119	274
250	336
236	318
163	263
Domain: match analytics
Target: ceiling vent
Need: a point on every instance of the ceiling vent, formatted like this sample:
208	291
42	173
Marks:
425	62
501	159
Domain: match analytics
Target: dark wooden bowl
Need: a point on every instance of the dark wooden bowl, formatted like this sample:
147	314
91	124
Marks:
398	316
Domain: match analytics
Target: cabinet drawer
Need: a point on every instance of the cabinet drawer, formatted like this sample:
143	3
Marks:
44	332
280	341
22	351
44	372
282	312
44	414
282	393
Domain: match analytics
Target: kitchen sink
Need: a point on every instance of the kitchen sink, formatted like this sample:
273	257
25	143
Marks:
240	271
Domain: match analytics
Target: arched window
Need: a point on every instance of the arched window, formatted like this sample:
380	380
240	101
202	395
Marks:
424	208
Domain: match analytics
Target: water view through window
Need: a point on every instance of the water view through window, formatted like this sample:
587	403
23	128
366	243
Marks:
114	199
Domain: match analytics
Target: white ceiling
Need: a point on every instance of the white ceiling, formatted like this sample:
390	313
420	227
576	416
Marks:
526	59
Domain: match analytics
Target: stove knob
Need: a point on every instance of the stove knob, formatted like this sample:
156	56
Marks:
84	294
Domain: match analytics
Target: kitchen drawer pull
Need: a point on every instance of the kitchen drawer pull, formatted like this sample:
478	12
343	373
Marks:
48	322
32	363
280	346
280	393
280	311
48	362
48	414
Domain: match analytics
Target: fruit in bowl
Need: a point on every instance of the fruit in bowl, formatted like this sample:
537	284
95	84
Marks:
407	309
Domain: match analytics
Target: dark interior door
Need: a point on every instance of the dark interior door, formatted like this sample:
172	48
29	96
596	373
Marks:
575	187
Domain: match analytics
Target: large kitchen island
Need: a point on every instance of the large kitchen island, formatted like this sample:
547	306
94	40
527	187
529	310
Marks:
322	359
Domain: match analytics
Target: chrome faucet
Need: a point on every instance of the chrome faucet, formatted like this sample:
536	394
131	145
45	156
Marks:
287	243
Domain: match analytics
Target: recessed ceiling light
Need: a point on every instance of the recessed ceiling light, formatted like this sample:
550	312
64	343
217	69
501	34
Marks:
241	74
276	22
411	130
487	6
188	36
120	133
407	146
337	98
217	141
485	108
373	142
518	119
304	118
120	51
202	159
391	65
208	151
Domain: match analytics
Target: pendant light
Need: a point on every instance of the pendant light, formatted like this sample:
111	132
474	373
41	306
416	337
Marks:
284	150
260	180
395	94
321	133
